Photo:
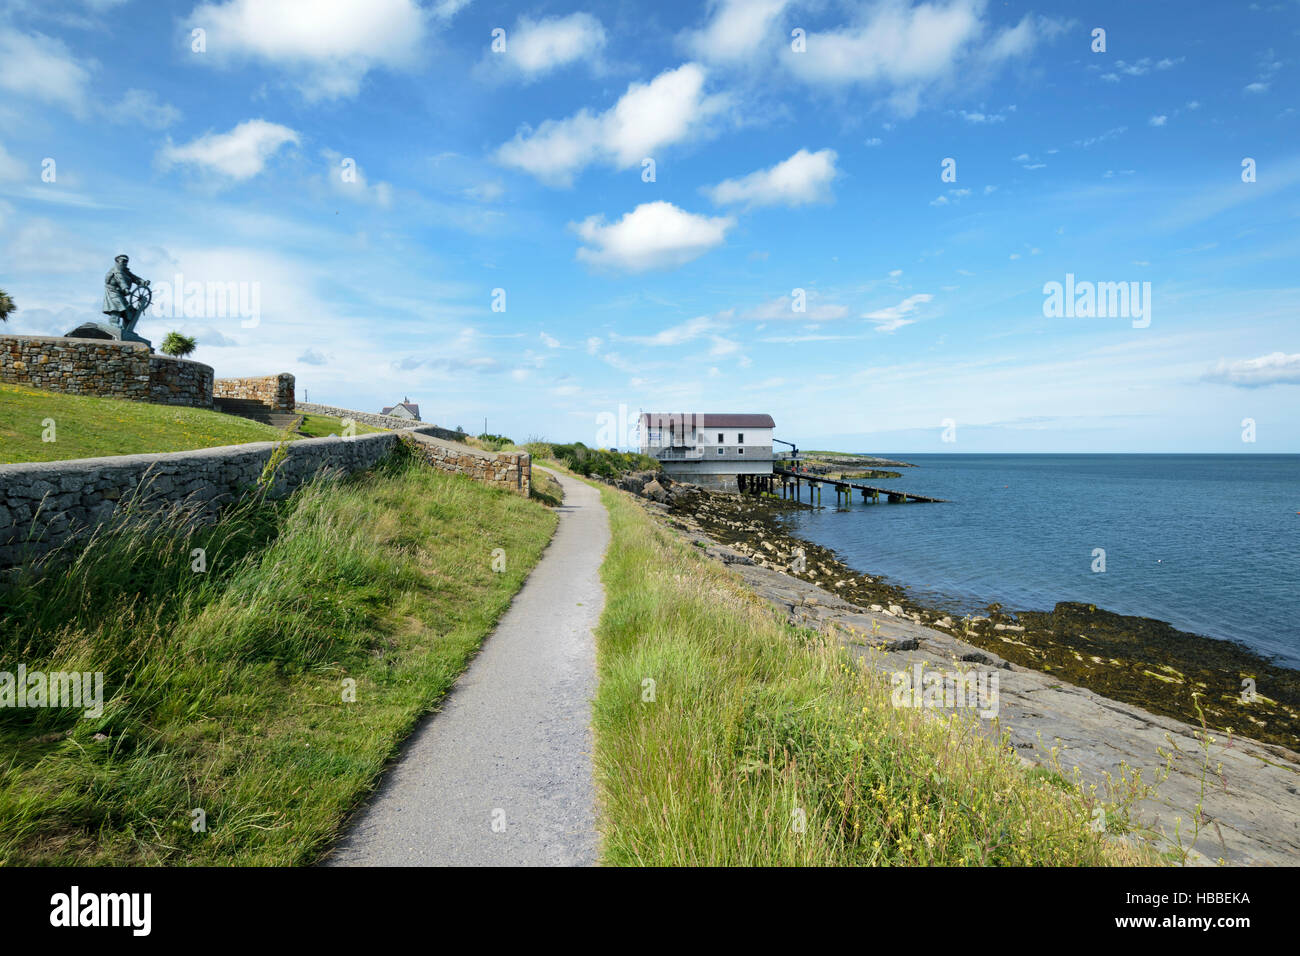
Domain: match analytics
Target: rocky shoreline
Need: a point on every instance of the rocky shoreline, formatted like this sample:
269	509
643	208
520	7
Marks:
1081	689
1135	660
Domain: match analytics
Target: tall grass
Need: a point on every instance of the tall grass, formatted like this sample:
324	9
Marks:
227	689
759	744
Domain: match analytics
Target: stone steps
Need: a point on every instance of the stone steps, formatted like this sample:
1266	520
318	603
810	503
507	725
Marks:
254	410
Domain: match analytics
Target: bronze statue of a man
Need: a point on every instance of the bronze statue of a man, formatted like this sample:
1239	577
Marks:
118	284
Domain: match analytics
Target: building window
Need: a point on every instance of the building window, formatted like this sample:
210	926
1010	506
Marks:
740	450
721	440
740	438
720	449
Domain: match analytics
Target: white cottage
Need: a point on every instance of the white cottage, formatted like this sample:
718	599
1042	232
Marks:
403	409
716	450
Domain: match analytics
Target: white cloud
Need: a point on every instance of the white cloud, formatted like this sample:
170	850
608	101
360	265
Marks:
953	196
1139	67
905	49
803	178
1256	87
328	48
42	68
1023	37
144	107
1276	368
735	31
593	344
654	235
781	308
896	44
981	118
356	185
536	47
550	341
1158	120
1102	137
10	168
38	245
649	116
895	316
239	154
675	334
723	346
446	9
488	191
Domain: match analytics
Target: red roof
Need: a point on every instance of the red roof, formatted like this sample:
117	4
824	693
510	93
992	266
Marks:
707	419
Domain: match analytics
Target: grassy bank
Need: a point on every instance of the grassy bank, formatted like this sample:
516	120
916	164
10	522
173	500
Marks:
227	691
763	745
321	426
88	427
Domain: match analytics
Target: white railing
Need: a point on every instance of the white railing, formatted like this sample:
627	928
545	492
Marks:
676	454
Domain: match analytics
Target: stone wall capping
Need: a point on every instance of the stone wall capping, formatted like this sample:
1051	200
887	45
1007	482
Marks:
72	497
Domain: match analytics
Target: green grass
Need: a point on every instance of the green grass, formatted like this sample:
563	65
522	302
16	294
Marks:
756	728
86	427
225	690
546	489
320	426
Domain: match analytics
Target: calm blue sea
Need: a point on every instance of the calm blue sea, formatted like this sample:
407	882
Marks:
1209	543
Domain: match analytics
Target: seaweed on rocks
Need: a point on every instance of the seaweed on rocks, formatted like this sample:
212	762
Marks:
1136	660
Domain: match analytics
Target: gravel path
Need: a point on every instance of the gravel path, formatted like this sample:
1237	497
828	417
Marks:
502	774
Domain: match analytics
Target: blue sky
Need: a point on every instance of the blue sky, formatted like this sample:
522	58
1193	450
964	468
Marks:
375	171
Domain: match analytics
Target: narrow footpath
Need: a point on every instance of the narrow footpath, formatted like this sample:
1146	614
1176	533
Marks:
502	774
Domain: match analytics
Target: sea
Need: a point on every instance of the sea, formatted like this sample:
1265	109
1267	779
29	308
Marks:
1208	543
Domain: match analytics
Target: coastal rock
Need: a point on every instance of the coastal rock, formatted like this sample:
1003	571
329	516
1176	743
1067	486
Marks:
655	491
1251	796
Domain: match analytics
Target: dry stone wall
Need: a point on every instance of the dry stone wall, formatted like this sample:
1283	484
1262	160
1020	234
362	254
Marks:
379	421
512	471
274	391
103	368
76	366
178	381
43	503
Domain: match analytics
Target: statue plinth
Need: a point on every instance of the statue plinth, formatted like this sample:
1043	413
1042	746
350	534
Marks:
106	330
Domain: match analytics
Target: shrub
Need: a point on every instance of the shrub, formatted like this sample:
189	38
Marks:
178	345
601	462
